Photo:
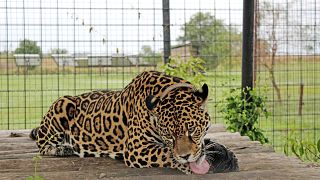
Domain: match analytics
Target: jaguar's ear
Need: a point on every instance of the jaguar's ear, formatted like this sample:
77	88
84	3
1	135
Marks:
151	102
203	93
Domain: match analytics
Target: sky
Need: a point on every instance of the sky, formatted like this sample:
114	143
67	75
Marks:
102	27
124	26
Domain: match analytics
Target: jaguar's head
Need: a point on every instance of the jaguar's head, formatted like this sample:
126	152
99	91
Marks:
181	119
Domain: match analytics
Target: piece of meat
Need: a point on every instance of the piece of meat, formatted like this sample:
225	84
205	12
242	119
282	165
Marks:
219	157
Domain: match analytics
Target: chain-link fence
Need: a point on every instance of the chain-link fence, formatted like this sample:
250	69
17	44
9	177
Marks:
287	61
54	48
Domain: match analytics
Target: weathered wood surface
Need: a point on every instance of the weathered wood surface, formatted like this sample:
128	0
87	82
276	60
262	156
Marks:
255	161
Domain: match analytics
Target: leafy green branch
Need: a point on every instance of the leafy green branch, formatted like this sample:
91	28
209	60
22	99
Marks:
191	69
242	115
36	159
304	150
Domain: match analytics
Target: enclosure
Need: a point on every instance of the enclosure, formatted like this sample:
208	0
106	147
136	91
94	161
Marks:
66	47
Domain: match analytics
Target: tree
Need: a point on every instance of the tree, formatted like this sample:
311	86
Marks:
268	41
146	50
213	40
148	55
279	27
28	47
59	51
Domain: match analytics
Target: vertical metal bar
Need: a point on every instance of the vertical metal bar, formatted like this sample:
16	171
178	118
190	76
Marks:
74	49
26	65
107	43
216	99
154	34
41	60
91	48
256	42
315	41
287	73
247	44
8	87
166	31
122	42
138	32
58	44
300	63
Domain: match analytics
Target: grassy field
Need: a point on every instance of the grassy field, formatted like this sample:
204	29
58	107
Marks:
25	98
285	121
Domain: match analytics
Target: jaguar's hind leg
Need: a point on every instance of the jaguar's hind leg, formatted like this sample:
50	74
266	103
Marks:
53	136
62	150
56	145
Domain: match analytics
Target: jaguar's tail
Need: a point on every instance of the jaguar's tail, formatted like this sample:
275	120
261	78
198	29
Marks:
33	134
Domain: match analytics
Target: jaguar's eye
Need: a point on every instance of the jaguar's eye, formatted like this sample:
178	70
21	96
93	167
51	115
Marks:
191	130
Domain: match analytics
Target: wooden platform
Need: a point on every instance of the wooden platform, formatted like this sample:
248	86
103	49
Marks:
255	161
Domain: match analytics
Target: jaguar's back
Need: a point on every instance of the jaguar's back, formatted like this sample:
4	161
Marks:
82	125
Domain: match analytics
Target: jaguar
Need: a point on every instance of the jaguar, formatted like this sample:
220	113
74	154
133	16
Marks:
157	120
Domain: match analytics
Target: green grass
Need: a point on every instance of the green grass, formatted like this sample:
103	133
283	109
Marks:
25	98
285	122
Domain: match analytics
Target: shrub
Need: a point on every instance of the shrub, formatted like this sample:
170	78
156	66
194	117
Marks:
242	115
192	70
304	150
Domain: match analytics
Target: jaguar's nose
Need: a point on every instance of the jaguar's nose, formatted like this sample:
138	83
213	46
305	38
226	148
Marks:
186	157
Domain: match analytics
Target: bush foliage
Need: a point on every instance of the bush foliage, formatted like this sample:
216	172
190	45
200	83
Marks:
303	149
242	115
192	70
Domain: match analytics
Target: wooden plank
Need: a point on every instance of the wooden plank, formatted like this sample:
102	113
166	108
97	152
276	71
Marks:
250	148
18	151
293	174
284	173
7	133
160	173
15	140
18	156
91	165
217	128
268	161
256	161
19	145
227	136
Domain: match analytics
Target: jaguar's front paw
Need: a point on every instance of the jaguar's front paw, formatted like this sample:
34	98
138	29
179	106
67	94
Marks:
185	168
64	150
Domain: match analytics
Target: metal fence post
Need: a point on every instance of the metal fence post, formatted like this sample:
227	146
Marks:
247	44
166	31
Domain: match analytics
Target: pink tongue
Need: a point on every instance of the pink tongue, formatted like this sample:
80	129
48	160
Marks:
202	168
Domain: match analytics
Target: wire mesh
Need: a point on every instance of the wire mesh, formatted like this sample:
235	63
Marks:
287	62
86	45
83	45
